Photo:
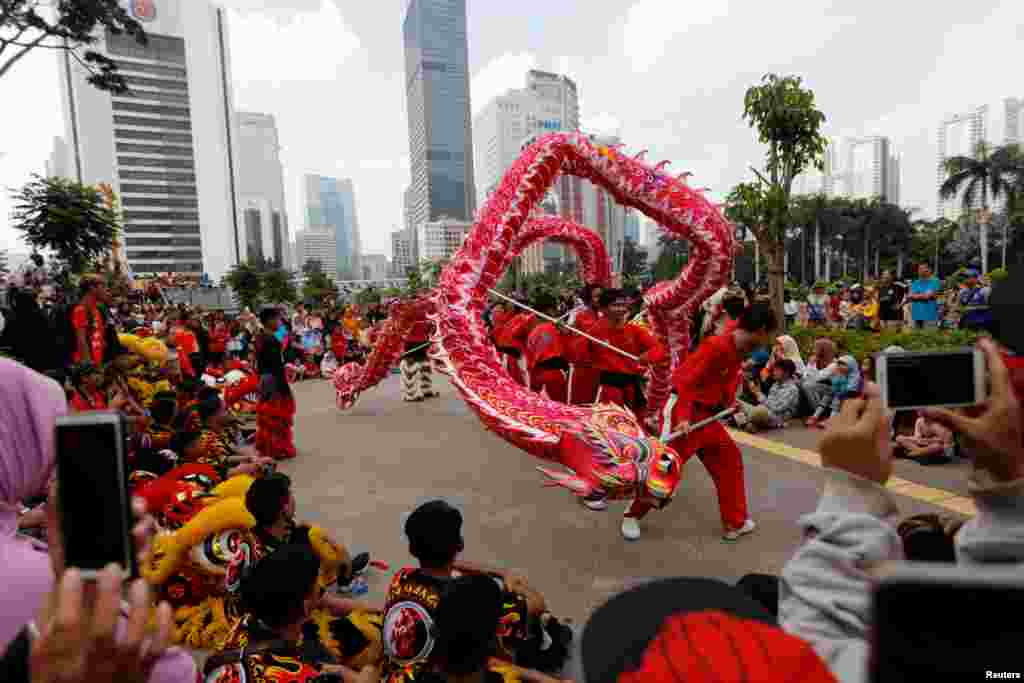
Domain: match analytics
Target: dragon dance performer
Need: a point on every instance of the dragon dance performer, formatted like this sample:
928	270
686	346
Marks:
417	379
275	412
510	331
705	384
621	378
586	378
545	355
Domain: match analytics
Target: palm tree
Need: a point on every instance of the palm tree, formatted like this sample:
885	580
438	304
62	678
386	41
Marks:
988	172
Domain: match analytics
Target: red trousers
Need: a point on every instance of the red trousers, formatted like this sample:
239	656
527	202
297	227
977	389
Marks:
514	369
723	461
551	380
584	384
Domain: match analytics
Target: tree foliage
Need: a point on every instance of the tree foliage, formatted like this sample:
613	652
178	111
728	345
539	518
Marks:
67	218
317	286
68	25
278	286
246	284
634	263
788	121
671	259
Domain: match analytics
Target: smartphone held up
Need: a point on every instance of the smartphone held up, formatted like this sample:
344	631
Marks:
951	379
93	495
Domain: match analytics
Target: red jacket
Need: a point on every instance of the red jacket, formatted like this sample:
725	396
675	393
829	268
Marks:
513	331
420	332
542	344
630	338
710	376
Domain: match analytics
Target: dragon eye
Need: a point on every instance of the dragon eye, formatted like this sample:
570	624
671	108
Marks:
214	554
665	463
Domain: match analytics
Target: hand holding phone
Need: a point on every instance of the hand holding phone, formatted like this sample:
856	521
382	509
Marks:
992	433
912	381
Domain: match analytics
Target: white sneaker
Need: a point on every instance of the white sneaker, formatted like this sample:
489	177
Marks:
630	529
595	503
734	534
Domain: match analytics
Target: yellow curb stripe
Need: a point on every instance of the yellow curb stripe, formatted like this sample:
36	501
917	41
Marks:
926	494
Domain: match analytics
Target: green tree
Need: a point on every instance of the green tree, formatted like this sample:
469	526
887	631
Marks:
278	286
414	283
789	123
246	285
67	218
634	263
989	173
68	25
671	259
317	285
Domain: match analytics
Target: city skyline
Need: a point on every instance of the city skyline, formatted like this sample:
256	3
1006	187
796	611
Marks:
636	63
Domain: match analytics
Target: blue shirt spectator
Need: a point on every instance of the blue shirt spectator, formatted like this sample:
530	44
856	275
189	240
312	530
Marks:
924	294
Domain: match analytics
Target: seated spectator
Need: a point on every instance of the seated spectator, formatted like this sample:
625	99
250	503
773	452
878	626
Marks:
278	597
786	348
778	406
826	592
864	310
87	391
468	618
845	382
817	306
790	308
816	383
931	444
528	634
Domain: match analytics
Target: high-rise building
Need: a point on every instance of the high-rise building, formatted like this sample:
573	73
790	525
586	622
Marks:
401	253
168	145
261	189
631	226
855	167
317	243
441	239
57	164
375	267
959	135
1013	116
330	201
437	92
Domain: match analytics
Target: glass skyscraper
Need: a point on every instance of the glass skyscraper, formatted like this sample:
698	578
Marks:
440	130
331	202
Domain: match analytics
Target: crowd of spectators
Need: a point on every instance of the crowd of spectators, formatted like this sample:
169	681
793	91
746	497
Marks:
454	620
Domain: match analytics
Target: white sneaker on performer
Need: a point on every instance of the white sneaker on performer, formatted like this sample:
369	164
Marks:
630	529
595	502
734	534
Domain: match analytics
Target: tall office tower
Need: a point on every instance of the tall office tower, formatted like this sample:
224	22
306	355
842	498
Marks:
1013	112
631	226
375	267
317	243
441	239
261	189
959	135
330	201
401	253
437	92
168	145
857	167
57	165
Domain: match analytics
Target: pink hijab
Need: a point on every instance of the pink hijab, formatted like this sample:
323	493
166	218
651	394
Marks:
29	405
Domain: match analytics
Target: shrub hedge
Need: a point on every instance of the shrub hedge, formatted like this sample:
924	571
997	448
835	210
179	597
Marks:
861	344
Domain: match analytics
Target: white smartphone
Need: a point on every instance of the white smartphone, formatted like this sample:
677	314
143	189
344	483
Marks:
950	379
92	490
941	622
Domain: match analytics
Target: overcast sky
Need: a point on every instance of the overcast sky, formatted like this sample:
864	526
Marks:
669	76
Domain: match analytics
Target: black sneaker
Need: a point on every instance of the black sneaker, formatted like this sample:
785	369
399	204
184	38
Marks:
360	562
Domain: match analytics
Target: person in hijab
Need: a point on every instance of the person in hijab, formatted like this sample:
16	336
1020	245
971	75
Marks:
785	348
845	382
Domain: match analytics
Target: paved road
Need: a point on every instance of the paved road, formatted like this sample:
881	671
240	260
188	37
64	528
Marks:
359	473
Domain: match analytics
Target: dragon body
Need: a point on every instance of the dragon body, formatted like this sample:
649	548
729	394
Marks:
604	447
352	379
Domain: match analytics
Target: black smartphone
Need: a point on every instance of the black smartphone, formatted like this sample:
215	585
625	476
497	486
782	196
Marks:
92	490
931	379
947	622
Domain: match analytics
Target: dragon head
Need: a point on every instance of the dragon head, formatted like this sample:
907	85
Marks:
613	455
345	385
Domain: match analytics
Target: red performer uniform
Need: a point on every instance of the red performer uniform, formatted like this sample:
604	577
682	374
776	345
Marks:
704	385
585	377
510	334
546	361
620	377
